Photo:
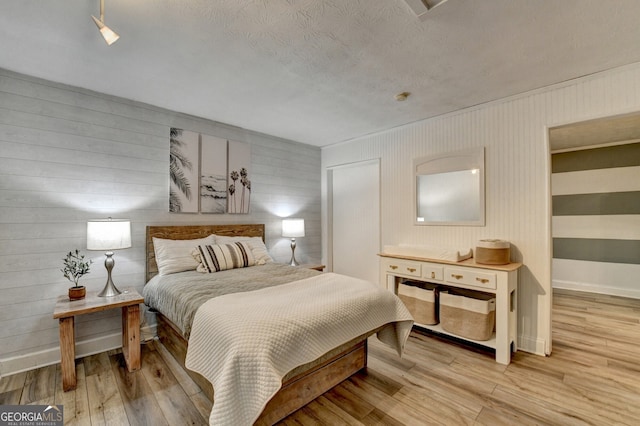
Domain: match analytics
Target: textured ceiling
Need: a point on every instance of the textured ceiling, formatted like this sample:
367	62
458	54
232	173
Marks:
317	71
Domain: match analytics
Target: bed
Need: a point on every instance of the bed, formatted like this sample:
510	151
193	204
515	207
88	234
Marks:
302	383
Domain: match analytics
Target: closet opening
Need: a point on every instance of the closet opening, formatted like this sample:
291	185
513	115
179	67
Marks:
595	205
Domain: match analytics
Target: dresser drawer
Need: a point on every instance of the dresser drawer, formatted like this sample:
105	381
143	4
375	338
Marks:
471	278
403	267
432	272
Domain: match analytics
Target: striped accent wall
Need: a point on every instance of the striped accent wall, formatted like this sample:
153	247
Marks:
596	219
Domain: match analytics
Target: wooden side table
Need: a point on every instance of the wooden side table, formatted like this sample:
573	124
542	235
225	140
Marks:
66	310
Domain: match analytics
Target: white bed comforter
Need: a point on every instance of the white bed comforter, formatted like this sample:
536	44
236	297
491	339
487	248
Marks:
245	343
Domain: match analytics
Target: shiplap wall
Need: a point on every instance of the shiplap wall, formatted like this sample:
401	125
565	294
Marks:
68	155
514	132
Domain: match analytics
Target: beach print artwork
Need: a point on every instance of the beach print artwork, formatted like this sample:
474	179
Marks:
183	171
208	174
239	182
213	174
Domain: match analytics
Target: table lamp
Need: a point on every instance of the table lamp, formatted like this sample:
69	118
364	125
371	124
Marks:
108	234
293	228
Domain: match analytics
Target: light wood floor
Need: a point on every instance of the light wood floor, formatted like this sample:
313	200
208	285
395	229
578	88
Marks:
592	377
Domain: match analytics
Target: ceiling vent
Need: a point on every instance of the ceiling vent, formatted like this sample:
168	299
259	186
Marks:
421	7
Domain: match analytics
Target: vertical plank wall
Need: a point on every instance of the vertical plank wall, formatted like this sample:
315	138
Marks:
68	155
514	132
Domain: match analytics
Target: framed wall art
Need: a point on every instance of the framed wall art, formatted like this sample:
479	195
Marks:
183	171
208	174
213	174
239	189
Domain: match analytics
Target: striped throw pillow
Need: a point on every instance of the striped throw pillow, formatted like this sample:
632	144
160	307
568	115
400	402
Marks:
220	257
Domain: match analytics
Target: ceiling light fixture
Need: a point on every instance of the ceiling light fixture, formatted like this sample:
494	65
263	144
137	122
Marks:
107	33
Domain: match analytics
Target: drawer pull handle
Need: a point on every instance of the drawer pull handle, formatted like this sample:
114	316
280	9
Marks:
433	275
457	277
394	267
482	280
411	269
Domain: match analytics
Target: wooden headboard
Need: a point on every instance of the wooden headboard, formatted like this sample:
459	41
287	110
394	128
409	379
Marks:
190	232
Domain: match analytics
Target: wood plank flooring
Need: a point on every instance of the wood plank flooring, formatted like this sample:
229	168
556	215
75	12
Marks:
592	378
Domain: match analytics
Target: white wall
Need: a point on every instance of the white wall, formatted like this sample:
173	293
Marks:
514	134
68	155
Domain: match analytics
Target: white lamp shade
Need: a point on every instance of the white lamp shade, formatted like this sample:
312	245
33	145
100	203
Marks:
108	234
293	228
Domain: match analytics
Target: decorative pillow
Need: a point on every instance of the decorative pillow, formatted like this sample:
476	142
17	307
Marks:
175	255
256	244
220	257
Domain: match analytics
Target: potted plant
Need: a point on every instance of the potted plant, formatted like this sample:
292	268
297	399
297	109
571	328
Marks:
75	267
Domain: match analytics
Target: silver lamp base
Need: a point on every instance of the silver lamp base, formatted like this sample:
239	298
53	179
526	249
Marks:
110	288
293	261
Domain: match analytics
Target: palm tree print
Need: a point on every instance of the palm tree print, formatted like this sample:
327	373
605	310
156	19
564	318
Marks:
243	181
243	175
232	190
248	186
178	162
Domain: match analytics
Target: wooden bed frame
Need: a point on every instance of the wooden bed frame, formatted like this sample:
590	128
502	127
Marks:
303	384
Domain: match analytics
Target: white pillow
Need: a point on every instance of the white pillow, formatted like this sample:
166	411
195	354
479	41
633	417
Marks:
256	244
175	255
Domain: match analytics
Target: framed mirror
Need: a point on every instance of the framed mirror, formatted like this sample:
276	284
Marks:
449	189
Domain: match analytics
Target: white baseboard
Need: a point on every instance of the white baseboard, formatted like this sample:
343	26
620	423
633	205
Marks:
532	344
84	348
599	288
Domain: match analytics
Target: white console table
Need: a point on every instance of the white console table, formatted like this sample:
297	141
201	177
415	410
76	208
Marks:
501	280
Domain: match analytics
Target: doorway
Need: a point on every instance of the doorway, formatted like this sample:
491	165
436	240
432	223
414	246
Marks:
595	204
354	219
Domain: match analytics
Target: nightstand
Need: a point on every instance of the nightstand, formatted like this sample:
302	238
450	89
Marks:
66	310
316	266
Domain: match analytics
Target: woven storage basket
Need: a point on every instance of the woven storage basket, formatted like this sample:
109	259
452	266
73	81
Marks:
493	252
421	300
468	315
